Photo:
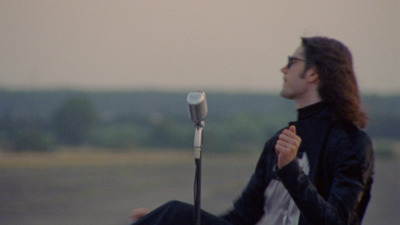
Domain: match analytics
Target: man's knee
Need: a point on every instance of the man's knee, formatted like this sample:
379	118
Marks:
173	203
180	207
178	204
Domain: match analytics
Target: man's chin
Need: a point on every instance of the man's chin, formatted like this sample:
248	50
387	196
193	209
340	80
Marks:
286	95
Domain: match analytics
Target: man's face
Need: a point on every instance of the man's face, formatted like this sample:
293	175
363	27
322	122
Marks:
295	84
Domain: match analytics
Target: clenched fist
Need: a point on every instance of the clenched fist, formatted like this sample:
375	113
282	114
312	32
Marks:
287	146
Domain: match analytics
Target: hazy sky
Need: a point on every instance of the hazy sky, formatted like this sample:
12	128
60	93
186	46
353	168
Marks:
188	44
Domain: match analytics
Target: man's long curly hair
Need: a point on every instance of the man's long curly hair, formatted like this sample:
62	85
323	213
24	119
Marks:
338	84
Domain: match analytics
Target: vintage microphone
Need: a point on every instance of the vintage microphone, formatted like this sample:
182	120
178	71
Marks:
197	105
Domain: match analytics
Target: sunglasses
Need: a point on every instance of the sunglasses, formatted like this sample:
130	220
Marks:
292	60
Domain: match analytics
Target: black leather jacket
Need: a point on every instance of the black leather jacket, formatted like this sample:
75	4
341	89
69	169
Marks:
337	189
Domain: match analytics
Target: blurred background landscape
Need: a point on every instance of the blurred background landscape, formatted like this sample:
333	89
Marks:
46	121
93	114
75	157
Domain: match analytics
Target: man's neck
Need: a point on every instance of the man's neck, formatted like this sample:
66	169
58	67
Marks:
311	110
306	102
309	98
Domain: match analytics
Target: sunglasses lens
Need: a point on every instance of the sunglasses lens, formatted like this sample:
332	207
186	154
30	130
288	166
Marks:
289	63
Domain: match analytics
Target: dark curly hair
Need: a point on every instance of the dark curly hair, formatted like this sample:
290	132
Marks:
338	84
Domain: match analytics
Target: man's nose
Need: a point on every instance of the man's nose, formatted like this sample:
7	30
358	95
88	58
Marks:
284	70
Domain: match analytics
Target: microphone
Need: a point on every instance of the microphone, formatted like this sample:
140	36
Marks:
197	105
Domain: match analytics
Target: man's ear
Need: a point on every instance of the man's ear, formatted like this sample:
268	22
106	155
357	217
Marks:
312	75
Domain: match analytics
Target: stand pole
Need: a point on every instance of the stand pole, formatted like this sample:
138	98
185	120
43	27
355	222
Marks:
197	193
198	139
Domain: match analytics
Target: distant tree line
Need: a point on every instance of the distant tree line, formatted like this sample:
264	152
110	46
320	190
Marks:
70	124
44	121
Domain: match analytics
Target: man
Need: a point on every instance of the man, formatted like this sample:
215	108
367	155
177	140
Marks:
319	169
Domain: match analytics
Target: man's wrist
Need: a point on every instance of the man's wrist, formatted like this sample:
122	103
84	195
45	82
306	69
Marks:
289	170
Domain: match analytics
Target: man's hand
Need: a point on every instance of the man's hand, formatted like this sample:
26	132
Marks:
287	146
138	213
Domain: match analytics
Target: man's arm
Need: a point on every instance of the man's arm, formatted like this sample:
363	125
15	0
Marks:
352	170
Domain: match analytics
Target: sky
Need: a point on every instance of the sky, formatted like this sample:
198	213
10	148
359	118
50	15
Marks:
218	45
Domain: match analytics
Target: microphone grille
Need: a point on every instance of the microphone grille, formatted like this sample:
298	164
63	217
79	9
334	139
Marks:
197	104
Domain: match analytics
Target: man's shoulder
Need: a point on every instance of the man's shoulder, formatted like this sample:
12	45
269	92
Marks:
348	134
349	131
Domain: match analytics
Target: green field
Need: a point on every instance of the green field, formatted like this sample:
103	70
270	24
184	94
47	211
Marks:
69	187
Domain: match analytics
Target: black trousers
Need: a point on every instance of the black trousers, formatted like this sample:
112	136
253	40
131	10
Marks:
178	213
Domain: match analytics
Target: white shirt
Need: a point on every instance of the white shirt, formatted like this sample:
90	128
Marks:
279	207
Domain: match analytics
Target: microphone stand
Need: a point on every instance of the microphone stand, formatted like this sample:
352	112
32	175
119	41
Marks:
198	140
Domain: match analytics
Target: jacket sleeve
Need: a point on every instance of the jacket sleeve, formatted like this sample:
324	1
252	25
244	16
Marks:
352	170
249	207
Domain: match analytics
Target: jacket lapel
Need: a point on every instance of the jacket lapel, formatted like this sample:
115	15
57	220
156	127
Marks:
313	133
